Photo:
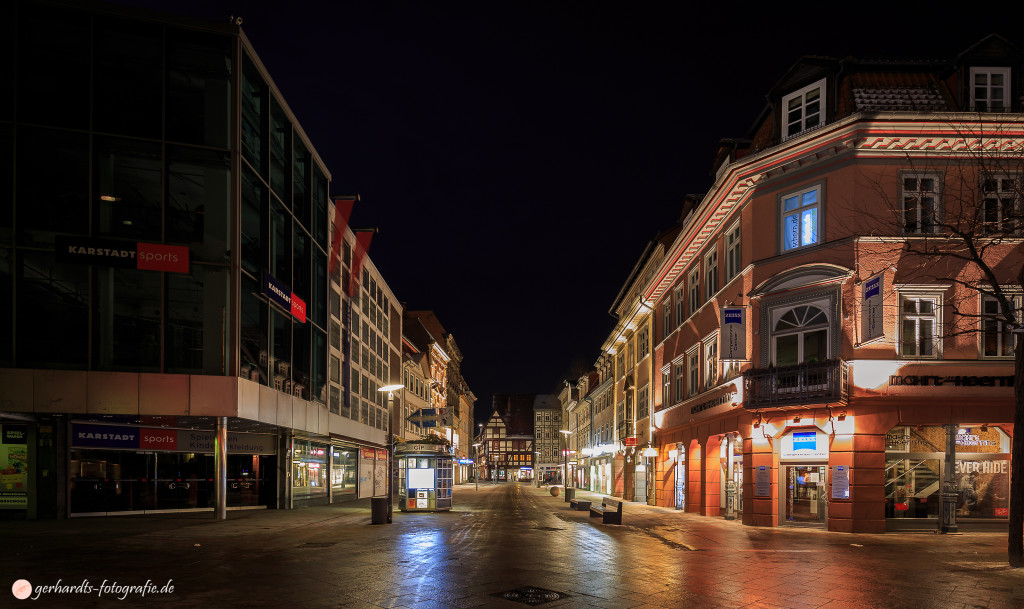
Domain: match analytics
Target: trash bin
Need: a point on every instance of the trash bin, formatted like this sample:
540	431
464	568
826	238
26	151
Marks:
378	510
570	494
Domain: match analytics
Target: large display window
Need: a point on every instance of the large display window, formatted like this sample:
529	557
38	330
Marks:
914	470
309	469
343	473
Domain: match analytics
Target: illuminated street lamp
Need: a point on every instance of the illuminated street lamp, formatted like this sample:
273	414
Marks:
390	389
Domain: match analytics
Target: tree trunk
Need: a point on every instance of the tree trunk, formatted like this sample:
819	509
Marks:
1016	534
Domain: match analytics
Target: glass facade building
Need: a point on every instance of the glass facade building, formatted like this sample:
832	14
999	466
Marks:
165	229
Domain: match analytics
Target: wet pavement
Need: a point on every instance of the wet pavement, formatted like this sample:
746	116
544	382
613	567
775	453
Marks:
501	542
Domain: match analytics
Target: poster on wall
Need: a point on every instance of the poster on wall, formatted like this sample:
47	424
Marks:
14	467
762	482
840	482
366	472
871	309
983	488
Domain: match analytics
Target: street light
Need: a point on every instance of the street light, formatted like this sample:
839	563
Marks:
565	457
390	389
477	465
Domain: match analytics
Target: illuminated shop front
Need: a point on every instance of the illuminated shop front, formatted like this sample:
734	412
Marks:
344	472
129	469
309	471
915	469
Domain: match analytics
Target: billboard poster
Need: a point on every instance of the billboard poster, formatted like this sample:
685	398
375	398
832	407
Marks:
14	467
871	309
734	333
983	488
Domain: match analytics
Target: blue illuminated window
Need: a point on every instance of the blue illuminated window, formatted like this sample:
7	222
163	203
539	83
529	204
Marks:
801	223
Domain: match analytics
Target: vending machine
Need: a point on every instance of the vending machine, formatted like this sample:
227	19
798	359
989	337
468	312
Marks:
424	477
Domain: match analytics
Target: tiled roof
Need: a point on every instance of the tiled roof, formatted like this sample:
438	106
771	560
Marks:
880	91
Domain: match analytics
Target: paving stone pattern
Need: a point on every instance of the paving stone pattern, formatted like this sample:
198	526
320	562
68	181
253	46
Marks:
504	546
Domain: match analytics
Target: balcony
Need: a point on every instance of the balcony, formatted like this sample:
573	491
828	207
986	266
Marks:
824	382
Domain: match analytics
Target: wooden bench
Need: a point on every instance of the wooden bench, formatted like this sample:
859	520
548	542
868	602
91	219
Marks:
610	511
580	504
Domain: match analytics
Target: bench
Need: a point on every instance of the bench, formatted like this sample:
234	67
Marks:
610	511
579	504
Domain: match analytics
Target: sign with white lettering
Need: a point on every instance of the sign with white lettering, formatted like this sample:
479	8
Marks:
86	435
871	326
122	254
279	294
734	333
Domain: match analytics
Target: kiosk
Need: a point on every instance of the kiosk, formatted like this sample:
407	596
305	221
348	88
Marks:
424	477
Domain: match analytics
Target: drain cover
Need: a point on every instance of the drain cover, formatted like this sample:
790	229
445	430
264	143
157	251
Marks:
531	595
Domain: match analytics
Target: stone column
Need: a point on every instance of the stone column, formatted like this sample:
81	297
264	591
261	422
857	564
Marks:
949	486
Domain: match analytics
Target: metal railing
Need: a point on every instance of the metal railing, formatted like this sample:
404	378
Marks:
813	383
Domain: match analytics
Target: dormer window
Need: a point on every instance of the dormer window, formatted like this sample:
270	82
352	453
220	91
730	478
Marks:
803	109
990	89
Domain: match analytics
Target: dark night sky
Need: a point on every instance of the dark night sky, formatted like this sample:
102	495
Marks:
518	156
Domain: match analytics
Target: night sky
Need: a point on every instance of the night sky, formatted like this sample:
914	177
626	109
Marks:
518	156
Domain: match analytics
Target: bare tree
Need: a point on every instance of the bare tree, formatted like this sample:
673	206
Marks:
958	220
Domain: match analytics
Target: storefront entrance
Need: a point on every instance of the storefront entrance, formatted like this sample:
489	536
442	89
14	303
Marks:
806	487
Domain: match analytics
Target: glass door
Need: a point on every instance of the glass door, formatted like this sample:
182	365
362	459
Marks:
806	489
680	483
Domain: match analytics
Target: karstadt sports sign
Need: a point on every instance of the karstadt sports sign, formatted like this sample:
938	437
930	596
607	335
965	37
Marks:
122	254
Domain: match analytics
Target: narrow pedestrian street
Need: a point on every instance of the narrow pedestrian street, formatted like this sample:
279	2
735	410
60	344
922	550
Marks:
503	545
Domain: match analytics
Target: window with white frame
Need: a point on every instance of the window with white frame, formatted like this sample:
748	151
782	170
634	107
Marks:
666	386
643	402
990	89
679	374
711	273
919	325
680	296
800	334
803	109
801	218
694	286
711	362
921	201
693	372
997	339
1000	205
732	252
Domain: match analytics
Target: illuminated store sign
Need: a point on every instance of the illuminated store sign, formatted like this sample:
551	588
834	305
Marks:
173	440
950	381
122	254
804	445
279	293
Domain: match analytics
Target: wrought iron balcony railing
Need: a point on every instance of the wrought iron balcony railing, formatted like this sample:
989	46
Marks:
816	383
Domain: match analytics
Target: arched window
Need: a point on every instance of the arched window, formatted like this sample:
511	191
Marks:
800	336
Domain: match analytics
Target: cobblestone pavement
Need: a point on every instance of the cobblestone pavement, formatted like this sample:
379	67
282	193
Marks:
500	538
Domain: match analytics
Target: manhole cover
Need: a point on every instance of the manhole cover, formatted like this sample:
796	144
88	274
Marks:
317	544
530	595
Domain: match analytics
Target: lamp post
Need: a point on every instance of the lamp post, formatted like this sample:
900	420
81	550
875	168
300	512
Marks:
391	389
565	457
476	464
